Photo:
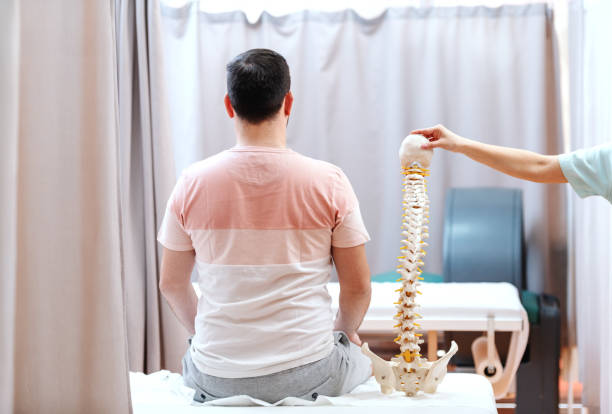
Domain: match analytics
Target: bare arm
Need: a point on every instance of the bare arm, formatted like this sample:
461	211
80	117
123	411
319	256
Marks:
518	163
175	285
355	289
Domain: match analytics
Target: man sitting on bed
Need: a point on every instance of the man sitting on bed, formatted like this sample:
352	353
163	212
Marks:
262	224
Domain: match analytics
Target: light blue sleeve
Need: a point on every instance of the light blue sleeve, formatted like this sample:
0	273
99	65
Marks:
589	171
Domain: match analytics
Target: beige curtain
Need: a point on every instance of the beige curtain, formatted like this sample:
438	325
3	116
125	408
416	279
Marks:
156	339
62	329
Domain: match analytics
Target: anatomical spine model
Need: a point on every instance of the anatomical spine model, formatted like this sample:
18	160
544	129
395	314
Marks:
408	371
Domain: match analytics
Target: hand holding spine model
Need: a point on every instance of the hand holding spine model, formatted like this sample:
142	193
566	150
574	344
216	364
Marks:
408	372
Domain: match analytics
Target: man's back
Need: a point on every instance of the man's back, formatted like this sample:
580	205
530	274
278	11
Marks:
262	222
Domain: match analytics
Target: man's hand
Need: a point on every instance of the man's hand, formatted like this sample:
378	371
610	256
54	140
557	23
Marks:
440	137
354	338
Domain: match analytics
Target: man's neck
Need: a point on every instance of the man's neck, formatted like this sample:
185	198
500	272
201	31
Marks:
272	133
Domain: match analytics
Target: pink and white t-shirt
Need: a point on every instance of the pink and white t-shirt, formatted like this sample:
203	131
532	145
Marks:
262	222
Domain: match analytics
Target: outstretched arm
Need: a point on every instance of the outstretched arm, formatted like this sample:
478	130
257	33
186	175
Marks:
518	163
175	285
355	289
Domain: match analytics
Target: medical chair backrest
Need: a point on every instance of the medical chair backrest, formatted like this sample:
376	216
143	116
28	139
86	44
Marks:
483	236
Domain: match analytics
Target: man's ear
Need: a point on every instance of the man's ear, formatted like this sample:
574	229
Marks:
288	104
228	106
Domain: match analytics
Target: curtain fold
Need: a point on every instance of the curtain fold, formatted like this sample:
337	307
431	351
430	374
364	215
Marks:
62	321
591	221
9	81
155	338
361	85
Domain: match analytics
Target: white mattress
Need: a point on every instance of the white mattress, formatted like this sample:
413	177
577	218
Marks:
445	306
164	392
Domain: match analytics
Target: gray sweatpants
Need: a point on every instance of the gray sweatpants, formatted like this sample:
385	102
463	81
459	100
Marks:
340	372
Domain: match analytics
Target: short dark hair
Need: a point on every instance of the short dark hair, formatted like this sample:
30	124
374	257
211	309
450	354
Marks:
257	82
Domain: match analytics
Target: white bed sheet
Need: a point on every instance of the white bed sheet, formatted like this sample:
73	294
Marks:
164	392
445	306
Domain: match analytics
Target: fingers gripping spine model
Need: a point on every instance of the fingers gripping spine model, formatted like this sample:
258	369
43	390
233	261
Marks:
408	371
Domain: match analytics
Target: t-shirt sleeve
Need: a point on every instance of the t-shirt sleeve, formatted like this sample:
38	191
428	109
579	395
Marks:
172	233
349	230
589	171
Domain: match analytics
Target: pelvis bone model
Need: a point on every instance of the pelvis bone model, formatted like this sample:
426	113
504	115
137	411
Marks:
408	371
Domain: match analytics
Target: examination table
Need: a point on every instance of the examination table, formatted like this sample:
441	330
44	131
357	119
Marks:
164	392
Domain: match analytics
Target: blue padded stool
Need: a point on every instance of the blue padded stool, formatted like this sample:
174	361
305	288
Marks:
483	236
